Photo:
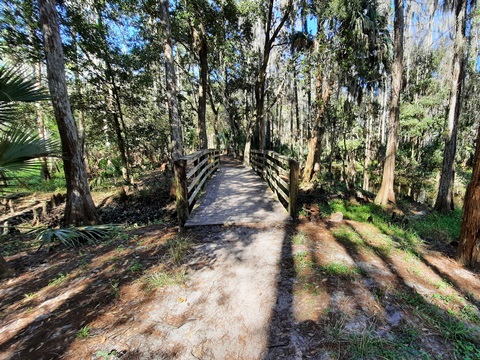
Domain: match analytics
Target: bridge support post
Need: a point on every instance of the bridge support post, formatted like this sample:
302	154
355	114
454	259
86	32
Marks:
181	192
293	187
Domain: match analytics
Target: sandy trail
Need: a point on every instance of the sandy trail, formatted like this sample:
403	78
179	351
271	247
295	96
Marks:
223	311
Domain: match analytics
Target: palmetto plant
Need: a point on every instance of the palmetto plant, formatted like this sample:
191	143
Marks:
19	147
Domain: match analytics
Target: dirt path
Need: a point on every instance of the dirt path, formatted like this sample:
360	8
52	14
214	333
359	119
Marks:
223	311
304	291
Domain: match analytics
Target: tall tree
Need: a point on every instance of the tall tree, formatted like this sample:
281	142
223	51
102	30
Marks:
171	83
468	251
386	192
271	34
79	209
444	202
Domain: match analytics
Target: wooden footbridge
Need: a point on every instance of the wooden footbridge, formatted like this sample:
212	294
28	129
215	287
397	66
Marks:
211	191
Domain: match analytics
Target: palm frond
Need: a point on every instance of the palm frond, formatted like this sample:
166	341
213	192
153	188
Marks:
14	86
19	149
77	236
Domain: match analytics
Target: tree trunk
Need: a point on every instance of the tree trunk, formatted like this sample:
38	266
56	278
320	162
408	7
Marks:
270	38
79	209
122	137
201	40
171	84
468	251
368	149
44	172
315	143
387	192
444	202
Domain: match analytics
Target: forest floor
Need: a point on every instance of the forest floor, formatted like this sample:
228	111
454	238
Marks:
356	288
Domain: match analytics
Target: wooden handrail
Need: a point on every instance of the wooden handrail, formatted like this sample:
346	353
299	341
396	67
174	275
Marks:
281	174
191	174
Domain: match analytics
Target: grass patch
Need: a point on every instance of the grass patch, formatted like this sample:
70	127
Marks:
367	343
160	279
178	248
347	235
299	238
441	227
60	278
136	267
464	338
84	332
301	262
339	269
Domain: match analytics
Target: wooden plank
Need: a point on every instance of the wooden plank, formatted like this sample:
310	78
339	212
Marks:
279	183
199	187
196	168
278	169
278	157
198	177
276	187
194	156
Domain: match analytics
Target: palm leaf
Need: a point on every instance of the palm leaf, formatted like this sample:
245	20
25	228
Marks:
14	86
77	236
19	149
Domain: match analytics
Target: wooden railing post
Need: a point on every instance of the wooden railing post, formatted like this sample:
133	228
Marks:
180	170
293	187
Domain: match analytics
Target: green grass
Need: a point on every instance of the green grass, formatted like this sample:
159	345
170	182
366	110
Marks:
30	296
84	332
407	237
115	287
164	278
178	248
445	228
464	338
35	183
301	262
299	238
60	278
347	235
339	269
366	343
136	267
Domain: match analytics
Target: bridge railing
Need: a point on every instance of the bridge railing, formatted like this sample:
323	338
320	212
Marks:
191	174
281	174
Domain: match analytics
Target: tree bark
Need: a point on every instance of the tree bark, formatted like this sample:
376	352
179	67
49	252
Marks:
262	72
387	192
79	209
322	99
368	149
44	172
468	251
171	84
201	42
444	202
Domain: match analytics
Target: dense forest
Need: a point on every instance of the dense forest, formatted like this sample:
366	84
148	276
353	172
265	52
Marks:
378	95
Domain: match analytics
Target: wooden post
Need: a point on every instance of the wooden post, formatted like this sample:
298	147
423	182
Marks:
293	187
180	169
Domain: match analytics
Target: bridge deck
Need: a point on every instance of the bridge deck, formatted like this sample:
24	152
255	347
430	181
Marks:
236	195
